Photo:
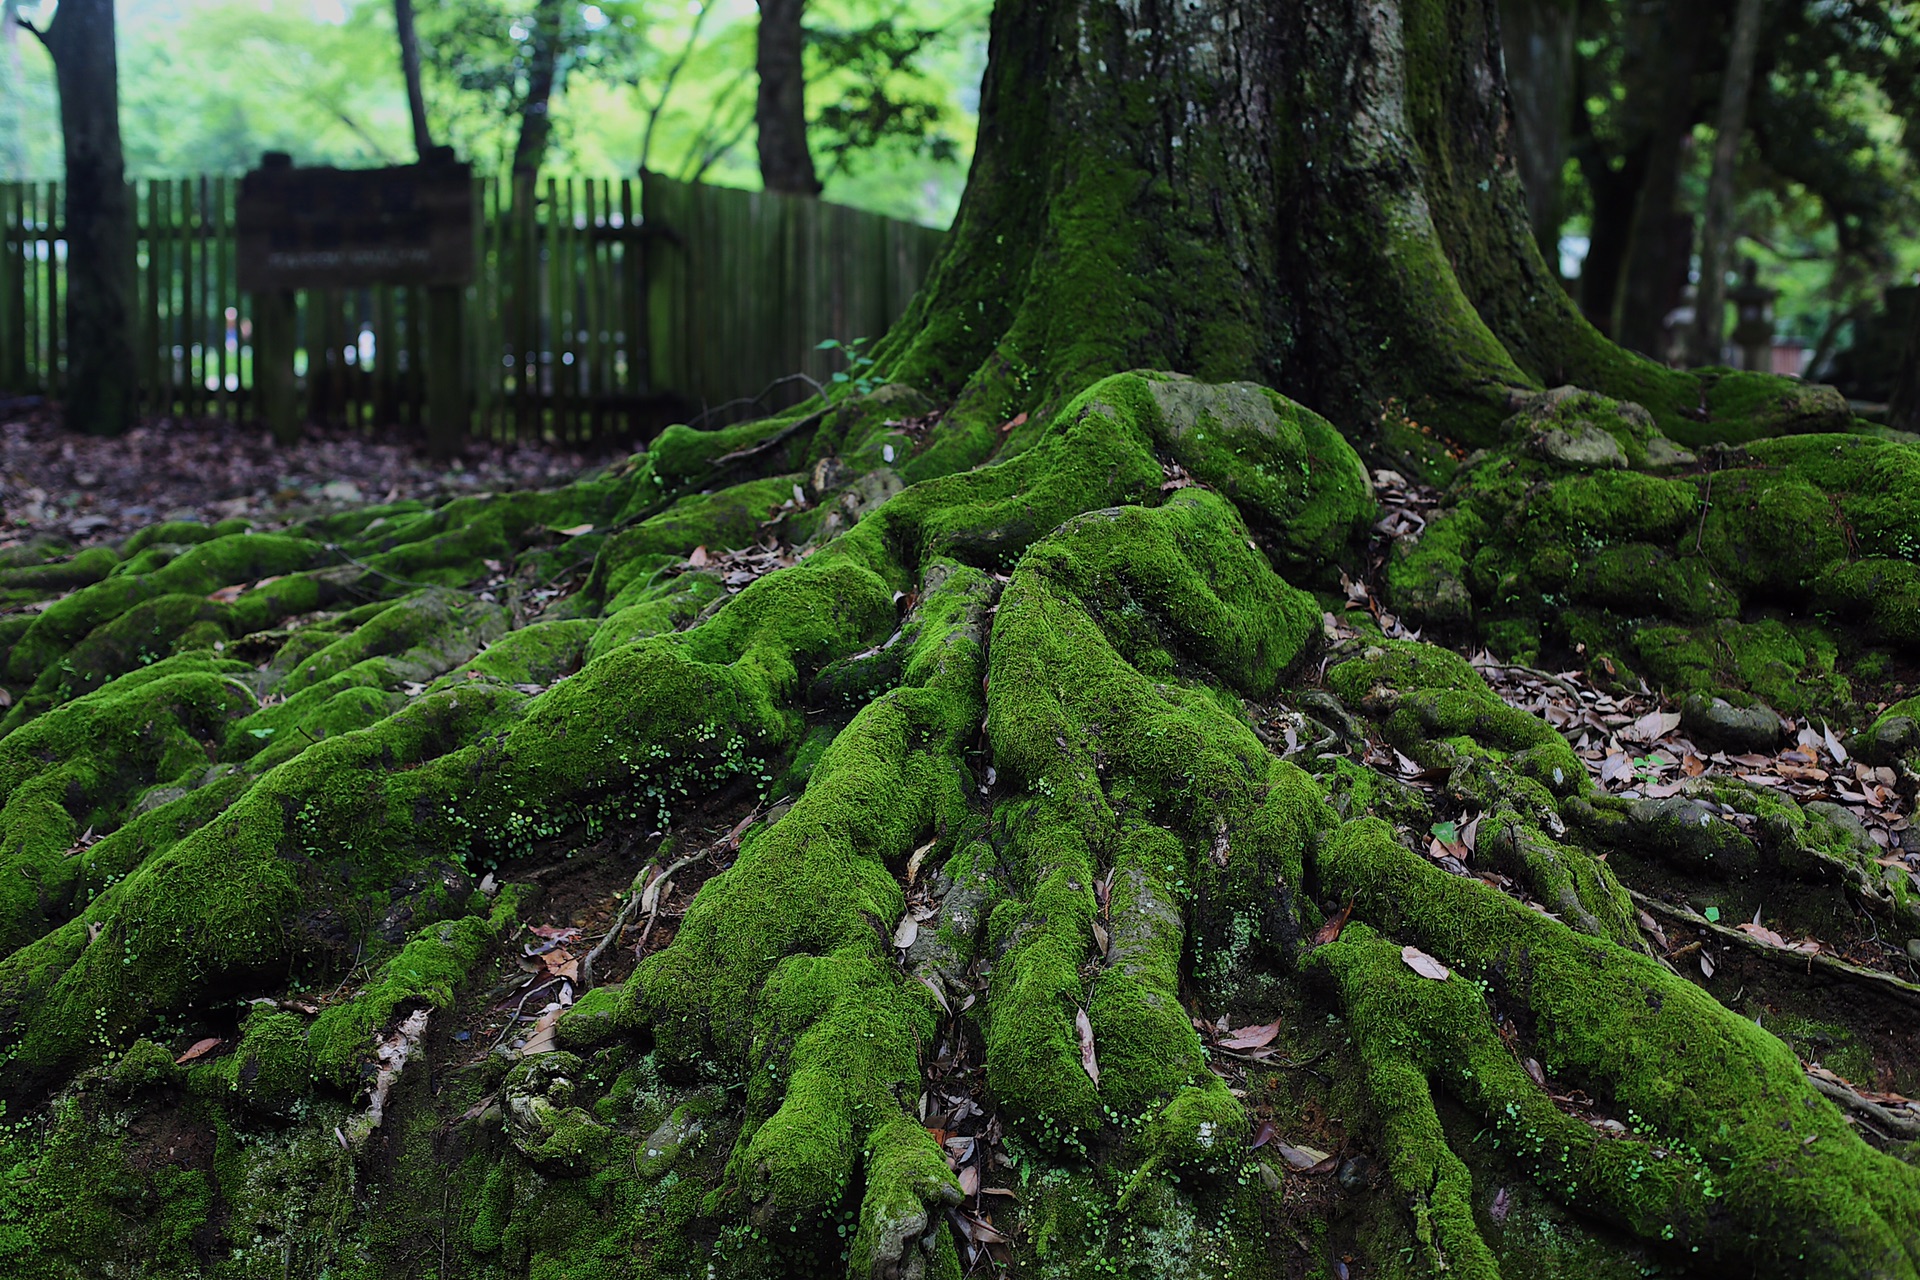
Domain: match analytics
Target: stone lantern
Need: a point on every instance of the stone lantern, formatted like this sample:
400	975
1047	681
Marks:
1753	330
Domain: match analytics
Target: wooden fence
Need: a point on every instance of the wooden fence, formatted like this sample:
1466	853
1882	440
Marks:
602	307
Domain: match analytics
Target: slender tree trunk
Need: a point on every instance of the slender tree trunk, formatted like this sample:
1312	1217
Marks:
1537	40
786	164
1612	193
10	112
1716	225
1654	270
536	118
101	386
410	71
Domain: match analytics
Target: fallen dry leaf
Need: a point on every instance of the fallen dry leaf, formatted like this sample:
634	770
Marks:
199	1048
542	1040
1305	1159
1424	965
1084	1027
938	996
576	530
905	932
970	1180
698	558
919	856
1251	1037
1331	929
976	1229
1834	749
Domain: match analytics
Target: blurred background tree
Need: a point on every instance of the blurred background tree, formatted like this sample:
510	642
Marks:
207	85
1616	105
1616	110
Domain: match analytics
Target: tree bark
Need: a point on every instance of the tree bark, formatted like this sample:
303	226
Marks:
989	846
101	387
1716	224
786	163
410	72
1537	39
536	120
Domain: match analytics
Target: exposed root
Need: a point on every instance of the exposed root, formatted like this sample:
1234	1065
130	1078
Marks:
1073	709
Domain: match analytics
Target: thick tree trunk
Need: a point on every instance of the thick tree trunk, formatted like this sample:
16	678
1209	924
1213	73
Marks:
786	163
992	820
1334	213
1537	39
1716	225
101	386
536	120
410	73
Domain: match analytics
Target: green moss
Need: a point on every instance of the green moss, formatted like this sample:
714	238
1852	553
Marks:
1706	1085
1427	695
184	533
1790	666
435	961
1680	578
729	518
1289	470
270	1070
200	570
79	767
83	569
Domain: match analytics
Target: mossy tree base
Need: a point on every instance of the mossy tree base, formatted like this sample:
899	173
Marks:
1005	640
1037	680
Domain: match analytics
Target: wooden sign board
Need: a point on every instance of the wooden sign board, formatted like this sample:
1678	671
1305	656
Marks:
331	228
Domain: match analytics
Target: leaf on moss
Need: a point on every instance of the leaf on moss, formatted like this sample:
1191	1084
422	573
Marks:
1331	929
198	1049
919	856
1424	965
1084	1026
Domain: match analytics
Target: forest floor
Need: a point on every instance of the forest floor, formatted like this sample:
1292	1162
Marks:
1799	970
55	483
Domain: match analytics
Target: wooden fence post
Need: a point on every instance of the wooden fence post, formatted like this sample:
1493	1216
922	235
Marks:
446	372
273	340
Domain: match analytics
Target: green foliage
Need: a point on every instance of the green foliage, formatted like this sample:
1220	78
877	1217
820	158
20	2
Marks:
210	84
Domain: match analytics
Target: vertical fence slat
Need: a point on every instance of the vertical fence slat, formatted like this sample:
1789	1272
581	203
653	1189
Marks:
13	319
588	297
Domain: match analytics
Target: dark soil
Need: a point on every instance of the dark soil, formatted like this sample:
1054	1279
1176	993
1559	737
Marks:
55	483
